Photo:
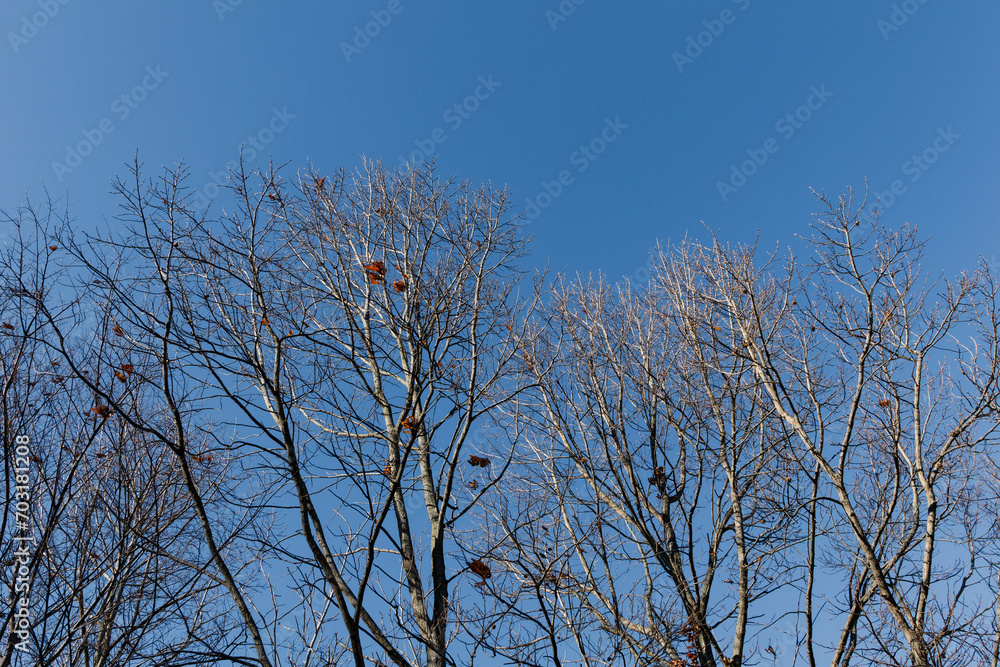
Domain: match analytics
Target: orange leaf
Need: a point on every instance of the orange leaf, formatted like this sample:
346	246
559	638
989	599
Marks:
53	247
480	569
480	461
376	272
101	410
7	325
118	330
399	285
320	182
120	377
128	368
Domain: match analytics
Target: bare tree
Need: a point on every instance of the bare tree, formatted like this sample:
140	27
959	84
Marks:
113	561
655	504
354	335
888	384
744	449
406	305
324	427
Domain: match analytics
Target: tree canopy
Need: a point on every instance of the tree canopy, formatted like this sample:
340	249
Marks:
339	422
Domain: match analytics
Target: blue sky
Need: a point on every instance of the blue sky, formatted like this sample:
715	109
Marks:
617	122
641	109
